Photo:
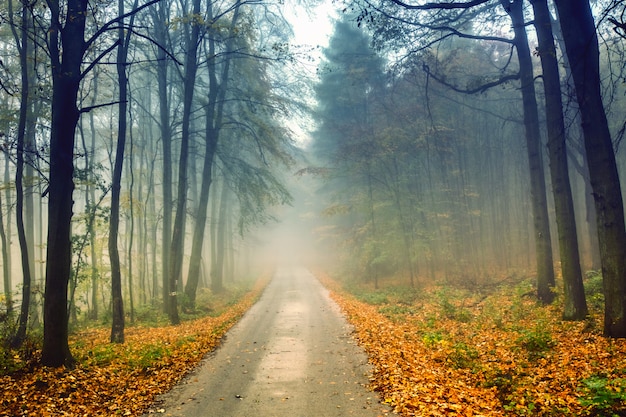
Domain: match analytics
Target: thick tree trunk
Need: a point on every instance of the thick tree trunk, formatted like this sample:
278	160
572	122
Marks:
66	76
541	225
581	43
575	305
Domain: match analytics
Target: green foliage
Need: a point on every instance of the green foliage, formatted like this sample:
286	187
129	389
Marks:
151	315
148	355
431	339
378	297
450	310
396	311
102	355
463	356
594	290
601	394
23	357
536	341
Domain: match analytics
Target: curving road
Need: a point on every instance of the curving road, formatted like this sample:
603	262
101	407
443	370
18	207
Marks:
291	355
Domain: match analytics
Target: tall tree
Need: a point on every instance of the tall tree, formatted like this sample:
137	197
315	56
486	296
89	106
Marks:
178	232
214	118
159	19
543	245
581	45
575	305
24	44
117	301
67	47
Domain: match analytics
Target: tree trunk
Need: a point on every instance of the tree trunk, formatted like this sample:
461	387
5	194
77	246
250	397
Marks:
214	112
575	305
25	102
541	225
117	301
160	19
581	43
177	249
66	76
6	273
90	200
217	264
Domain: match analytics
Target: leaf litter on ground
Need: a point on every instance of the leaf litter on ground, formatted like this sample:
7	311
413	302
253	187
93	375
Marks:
119	379
448	354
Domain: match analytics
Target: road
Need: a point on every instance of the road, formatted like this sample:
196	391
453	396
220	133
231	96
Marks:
291	355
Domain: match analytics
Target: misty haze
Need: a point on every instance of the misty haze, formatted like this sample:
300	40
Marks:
312	208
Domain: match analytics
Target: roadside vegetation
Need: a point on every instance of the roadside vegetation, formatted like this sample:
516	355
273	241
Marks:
113	379
440	350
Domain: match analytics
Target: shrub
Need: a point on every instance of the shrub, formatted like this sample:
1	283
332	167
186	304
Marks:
602	395
536	341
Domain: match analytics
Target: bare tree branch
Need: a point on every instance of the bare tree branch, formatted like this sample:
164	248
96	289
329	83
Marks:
440	6
480	89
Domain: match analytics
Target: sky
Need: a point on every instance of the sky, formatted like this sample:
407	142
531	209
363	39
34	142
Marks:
312	29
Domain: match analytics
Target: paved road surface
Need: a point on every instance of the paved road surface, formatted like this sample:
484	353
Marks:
291	355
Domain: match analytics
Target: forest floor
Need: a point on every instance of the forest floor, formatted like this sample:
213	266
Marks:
436	351
441	351
117	379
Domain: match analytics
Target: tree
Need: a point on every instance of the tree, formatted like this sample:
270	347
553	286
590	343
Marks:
581	45
117	302
575	307
178	233
67	47
24	44
543	245
213	123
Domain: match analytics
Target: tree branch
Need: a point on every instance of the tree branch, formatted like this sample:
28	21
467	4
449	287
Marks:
440	6
480	89
97	106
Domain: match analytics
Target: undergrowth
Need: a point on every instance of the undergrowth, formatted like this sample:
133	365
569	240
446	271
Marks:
442	350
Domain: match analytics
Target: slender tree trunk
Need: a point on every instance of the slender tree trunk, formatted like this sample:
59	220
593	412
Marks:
581	44
575	307
214	112
373	267
217	264
131	231
177	248
90	200
19	176
117	301
6	273
160	20
543	244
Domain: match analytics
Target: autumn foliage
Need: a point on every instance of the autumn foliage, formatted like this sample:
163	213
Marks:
446	352
117	379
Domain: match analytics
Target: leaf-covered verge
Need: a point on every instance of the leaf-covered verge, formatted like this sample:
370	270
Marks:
443	352
118	379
